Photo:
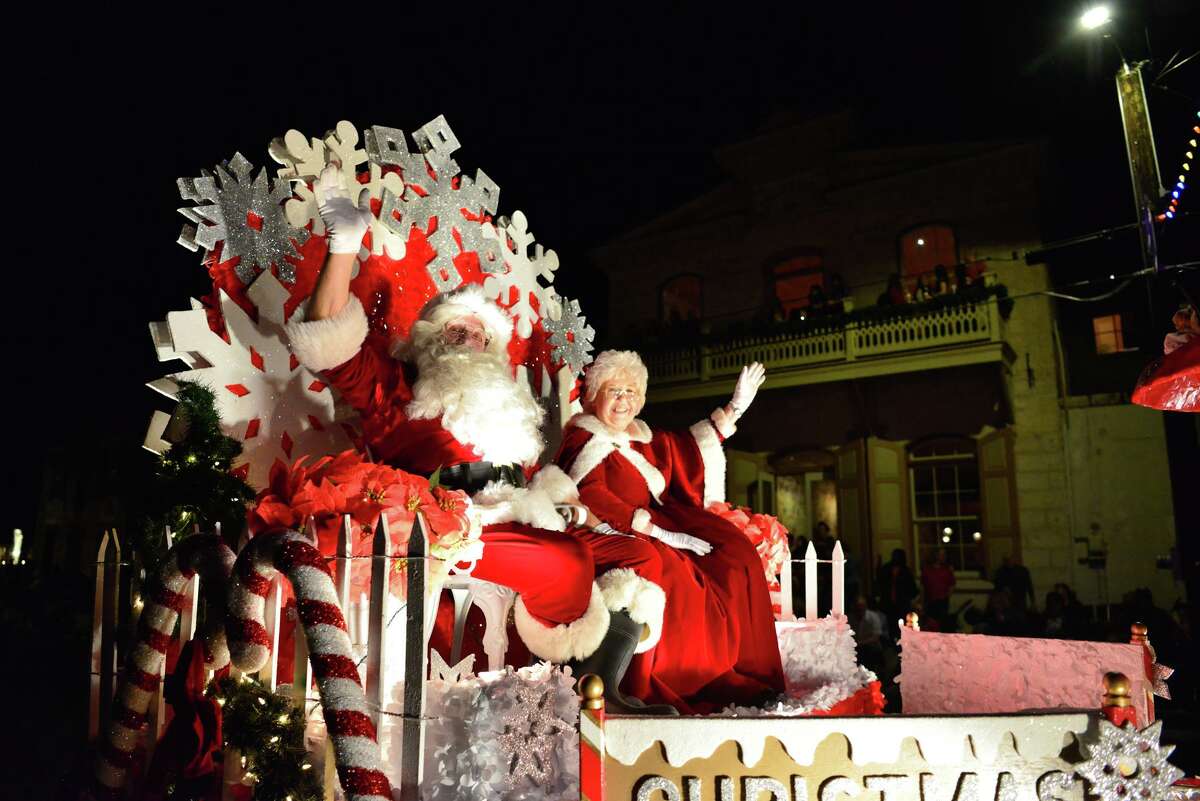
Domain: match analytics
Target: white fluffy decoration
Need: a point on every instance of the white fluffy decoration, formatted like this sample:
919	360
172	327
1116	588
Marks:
712	453
284	401
574	640
326	343
465	759
503	503
644	601
522	275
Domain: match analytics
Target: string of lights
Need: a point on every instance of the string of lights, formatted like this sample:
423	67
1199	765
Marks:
1181	184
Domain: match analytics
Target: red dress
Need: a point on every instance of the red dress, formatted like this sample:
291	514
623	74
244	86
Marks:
718	644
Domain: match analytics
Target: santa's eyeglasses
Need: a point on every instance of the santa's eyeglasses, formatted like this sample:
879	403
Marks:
460	334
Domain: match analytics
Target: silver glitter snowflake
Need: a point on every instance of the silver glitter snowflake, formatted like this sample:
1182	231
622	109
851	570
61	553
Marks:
1127	764
243	212
430	194
531	729
570	335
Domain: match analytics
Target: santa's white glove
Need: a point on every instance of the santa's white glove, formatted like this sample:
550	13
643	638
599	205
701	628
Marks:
751	378
345	223
679	540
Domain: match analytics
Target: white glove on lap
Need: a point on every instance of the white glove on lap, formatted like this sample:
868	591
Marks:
751	378
345	223
679	540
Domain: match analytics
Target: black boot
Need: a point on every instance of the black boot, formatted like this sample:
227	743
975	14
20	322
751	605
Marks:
610	661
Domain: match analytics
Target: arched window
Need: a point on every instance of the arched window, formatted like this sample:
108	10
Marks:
946	505
792	279
681	298
925	247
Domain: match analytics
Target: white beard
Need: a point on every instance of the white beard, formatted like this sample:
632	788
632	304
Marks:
480	403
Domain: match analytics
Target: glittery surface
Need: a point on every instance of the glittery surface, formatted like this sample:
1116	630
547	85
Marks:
1126	764
570	336
647	787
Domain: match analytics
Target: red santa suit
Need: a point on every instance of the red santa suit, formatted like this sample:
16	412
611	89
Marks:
718	642
561	612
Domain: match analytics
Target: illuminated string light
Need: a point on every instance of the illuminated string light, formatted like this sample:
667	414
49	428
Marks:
1177	193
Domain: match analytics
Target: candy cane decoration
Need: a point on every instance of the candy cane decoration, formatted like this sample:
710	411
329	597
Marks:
342	697
212	559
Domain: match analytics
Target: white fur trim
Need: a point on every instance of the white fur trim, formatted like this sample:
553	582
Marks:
641	521
605	442
322	344
713	456
555	483
644	600
575	640
499	502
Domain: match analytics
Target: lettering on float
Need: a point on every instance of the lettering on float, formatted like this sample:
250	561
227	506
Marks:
943	786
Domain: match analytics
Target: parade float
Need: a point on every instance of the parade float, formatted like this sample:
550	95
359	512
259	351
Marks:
335	653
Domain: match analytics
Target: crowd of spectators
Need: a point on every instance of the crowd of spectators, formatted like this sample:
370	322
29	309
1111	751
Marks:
927	286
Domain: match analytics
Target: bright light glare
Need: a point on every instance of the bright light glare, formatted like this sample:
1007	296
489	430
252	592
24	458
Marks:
977	536
947	530
1094	17
920	242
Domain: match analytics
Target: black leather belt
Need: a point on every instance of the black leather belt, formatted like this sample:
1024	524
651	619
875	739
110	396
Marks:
474	476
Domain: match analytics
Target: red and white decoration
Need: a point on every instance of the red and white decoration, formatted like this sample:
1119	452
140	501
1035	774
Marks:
212	559
344	704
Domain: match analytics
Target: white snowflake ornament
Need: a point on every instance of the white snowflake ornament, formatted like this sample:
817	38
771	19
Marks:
275	406
1127	764
531	731
524	273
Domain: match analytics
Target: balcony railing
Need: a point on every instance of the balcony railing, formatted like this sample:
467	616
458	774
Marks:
909	332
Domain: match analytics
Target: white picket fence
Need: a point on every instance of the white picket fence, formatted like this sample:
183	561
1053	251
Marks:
367	623
810	562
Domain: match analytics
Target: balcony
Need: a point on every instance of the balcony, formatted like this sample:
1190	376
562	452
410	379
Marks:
871	343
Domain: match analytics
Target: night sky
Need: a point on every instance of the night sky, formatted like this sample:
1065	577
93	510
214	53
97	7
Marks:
590	124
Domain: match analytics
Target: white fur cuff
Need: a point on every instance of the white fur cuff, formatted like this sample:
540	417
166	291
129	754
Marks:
643	600
500	502
713	456
641	521
555	483
322	344
575	640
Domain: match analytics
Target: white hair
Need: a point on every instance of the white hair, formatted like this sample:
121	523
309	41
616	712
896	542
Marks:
466	302
611	364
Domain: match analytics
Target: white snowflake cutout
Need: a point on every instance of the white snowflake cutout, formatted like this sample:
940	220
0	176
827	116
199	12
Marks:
275	406
523	273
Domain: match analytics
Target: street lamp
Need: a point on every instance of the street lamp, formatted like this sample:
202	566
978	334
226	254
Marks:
1094	17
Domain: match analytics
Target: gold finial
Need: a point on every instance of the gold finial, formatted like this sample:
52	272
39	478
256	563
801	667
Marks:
591	687
912	621
1117	689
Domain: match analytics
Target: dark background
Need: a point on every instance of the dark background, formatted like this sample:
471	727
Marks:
590	123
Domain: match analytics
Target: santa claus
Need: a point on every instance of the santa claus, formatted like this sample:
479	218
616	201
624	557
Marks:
445	399
718	643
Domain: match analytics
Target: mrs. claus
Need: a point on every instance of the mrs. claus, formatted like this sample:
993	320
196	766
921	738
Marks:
718	643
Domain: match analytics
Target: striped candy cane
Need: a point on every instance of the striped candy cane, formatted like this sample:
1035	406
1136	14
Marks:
342	697
212	559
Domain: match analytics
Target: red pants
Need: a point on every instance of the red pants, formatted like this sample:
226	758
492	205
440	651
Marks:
552	571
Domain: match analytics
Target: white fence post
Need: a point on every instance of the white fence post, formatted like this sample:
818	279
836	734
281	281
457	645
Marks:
381	567
786	610
104	651
839	581
415	656
810	582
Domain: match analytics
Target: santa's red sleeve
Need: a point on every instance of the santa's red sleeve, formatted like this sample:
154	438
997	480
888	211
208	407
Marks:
594	492
336	346
692	462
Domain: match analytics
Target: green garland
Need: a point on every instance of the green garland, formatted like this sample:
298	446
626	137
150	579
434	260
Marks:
268	730
190	484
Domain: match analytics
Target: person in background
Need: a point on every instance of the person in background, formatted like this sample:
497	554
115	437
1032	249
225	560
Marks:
962	280
897	589
941	280
869	626
1014	577
894	295
837	293
816	300
937	582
